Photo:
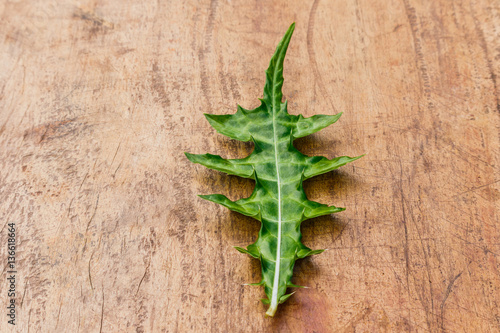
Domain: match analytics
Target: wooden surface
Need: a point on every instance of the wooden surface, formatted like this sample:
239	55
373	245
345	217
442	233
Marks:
99	100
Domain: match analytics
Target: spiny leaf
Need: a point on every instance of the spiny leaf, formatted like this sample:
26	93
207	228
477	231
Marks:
315	209
232	167
233	126
252	254
307	126
255	284
285	297
308	252
242	206
278	168
320	165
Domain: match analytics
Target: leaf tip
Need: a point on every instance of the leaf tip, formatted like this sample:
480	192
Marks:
358	157
189	156
212	118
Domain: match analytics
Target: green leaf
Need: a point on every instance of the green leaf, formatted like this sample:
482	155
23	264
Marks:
256	255
278	168
233	126
320	165
307	126
231	167
258	284
285	297
308	252
242	206
315	209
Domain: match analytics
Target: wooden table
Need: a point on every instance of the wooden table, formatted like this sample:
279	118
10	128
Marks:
99	100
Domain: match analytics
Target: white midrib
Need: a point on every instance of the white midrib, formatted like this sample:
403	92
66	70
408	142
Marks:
274	297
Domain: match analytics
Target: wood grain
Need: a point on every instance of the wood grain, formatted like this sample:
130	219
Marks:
99	100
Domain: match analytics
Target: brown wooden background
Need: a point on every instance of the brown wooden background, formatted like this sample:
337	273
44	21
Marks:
99	100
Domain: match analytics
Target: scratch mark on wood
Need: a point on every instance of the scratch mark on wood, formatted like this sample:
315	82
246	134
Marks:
58	314
90	273
83	181
116	170
312	54
88	224
102	312
446	295
116	152
3	227
69	206
143	276
24	294
405	244
476	188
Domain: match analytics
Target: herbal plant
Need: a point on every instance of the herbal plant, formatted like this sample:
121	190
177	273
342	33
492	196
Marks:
278	168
